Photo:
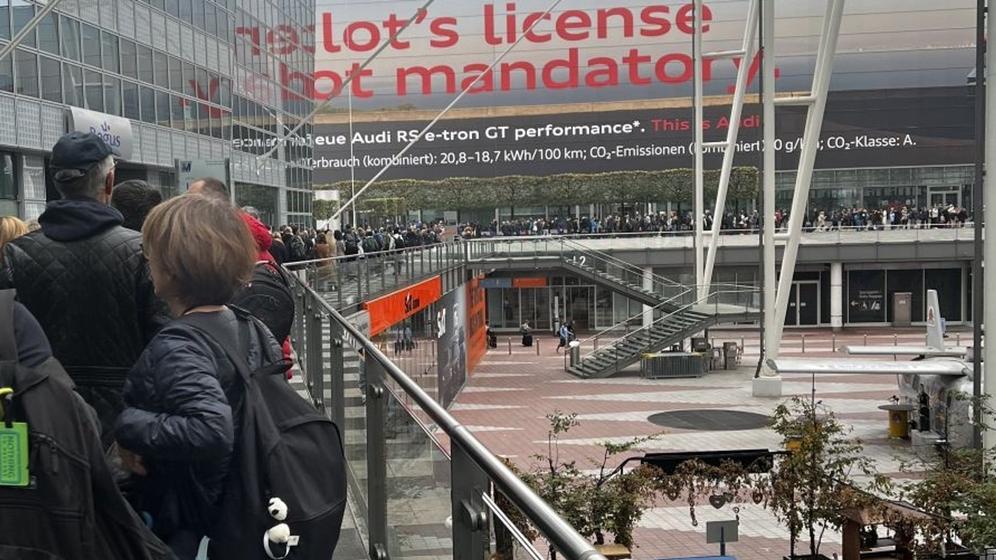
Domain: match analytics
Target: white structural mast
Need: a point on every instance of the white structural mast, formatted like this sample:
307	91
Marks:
776	288
746	54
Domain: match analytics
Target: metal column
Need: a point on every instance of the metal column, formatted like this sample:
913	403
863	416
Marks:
376	458
699	201
746	53
768	384
816	101
989	246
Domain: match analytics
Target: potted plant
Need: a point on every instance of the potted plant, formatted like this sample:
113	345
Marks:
812	486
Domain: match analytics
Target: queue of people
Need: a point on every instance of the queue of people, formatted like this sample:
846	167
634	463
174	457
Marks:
857	218
135	377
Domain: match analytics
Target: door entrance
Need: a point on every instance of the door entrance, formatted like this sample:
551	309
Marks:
945	196
578	307
804	304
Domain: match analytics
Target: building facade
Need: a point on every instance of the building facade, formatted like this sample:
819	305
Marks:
180	81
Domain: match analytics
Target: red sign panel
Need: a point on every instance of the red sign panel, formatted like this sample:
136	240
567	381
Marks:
534	282
477	316
395	307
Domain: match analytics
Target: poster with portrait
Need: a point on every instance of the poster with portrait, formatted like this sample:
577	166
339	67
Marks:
451	341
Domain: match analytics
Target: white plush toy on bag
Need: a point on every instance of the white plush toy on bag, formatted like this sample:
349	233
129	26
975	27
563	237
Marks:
277	541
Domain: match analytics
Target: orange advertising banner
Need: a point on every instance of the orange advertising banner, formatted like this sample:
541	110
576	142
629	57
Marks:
477	316
395	307
529	282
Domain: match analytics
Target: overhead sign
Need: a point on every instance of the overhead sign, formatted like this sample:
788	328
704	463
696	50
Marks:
395	307
880	128
115	131
190	170
495	283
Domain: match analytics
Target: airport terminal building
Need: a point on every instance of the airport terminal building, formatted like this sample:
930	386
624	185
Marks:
180	85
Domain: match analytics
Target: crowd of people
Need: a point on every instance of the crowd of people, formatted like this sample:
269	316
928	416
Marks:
888	217
147	336
291	244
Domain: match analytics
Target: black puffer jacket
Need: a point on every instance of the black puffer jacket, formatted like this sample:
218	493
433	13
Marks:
84	278
184	402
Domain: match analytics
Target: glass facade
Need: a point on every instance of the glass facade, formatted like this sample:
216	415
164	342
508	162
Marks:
233	73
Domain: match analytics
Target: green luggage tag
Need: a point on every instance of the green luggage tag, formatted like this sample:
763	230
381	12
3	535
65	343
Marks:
13	446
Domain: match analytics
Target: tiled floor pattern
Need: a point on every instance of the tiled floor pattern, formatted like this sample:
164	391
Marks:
508	396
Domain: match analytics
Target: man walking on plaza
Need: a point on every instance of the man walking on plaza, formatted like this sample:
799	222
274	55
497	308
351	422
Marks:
83	276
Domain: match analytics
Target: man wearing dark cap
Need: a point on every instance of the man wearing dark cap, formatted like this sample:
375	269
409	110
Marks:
83	276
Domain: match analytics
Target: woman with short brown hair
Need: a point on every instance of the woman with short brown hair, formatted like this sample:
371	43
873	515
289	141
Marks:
184	396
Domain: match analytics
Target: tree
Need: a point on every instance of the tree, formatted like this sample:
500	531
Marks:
813	487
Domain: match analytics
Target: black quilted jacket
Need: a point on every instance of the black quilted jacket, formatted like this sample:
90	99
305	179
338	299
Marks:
84	278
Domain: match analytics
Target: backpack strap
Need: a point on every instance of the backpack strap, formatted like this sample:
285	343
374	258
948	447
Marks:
8	340
233	342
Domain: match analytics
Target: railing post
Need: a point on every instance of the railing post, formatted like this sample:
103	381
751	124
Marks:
376	458
471	530
337	371
315	348
369	271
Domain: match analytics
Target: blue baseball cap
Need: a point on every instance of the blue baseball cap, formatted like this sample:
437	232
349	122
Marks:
76	153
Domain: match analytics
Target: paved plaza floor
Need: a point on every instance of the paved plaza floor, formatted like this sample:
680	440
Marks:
507	397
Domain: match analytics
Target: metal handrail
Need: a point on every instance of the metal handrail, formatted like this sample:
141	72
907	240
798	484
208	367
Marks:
557	531
621	263
683	309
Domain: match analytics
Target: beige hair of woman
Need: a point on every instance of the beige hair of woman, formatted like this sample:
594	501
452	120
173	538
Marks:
11	227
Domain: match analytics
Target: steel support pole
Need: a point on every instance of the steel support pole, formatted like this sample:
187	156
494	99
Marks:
978	203
699	202
376	458
315	360
732	134
471	528
337	370
807	159
989	247
769	271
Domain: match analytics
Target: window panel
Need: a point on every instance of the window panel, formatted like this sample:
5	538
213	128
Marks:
175	69
22	12
26	73
178	109
72	85
110	48
129	96
161	70
145	67
162	108
148	96
70	38
112	95
94	90
91	45
129	57
6	74
48	33
51	79
4	21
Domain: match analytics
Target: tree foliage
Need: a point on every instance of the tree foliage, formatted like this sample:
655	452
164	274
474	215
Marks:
674	185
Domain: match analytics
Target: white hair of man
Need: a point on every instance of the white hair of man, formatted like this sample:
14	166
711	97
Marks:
89	184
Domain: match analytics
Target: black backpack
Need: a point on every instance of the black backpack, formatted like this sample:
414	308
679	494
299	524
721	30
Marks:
286	449
352	244
71	507
269	298
298	250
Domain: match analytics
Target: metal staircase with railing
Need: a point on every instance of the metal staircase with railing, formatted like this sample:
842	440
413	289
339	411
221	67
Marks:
615	353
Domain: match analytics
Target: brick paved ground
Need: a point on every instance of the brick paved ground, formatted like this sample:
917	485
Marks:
508	396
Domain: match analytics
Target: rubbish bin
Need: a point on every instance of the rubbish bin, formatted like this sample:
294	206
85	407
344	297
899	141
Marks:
700	344
730	351
575	351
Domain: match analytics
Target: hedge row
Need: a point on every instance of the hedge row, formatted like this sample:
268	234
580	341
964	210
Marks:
674	185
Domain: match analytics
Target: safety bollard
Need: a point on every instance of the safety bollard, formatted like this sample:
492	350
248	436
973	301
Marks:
895	339
509	346
833	343
537	347
957	335
866	340
803	343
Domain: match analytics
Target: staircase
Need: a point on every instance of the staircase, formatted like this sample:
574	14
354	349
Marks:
615	354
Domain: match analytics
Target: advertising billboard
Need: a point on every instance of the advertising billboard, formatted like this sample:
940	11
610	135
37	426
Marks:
395	307
601	86
451	341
